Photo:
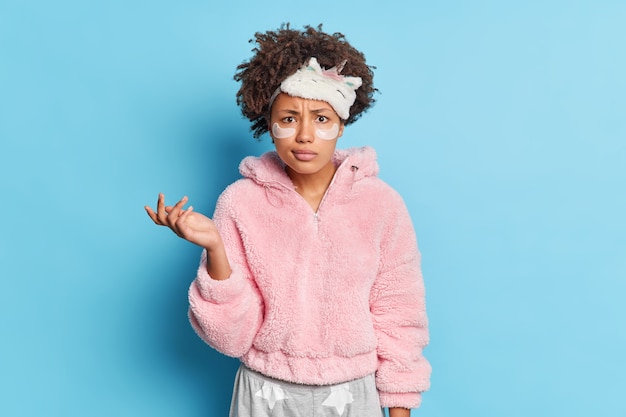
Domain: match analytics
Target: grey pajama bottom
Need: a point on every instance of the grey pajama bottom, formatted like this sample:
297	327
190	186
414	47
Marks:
256	395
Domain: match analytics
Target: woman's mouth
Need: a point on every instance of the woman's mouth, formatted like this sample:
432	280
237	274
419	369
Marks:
304	155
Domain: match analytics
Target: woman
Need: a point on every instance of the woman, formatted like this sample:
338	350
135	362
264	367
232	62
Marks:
310	272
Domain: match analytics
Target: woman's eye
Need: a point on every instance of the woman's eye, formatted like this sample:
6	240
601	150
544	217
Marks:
288	119
322	119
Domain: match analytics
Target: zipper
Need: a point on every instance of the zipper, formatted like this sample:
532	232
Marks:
316	218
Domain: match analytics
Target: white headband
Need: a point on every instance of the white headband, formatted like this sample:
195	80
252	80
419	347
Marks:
313	82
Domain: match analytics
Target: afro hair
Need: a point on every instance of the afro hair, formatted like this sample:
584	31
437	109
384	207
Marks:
280	53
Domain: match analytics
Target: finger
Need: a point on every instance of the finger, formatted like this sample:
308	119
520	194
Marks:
161	214
174	212
151	213
168	209
181	222
185	213
181	203
160	201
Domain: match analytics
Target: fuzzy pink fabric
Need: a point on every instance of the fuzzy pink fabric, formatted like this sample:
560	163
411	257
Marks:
318	298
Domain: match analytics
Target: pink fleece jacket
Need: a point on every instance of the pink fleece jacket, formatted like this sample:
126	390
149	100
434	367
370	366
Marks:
318	298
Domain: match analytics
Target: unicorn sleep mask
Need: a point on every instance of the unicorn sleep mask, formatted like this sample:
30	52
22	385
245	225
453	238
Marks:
313	82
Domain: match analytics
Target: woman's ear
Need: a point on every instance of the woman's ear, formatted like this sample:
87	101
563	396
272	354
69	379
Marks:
341	126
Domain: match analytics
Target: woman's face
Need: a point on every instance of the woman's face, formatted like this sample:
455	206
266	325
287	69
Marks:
305	134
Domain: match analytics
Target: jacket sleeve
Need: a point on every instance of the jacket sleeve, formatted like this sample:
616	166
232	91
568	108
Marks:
226	314
397	303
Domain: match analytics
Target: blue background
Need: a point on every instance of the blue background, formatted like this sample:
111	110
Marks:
501	123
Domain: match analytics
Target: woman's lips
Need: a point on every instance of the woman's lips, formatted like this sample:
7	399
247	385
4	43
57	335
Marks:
304	155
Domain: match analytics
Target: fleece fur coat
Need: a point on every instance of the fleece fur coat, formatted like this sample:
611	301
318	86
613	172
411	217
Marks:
318	298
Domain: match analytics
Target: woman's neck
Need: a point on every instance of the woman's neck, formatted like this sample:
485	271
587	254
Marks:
312	187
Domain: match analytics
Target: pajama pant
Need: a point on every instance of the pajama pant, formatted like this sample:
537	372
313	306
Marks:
256	395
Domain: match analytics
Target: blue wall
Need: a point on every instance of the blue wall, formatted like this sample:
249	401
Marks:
501	123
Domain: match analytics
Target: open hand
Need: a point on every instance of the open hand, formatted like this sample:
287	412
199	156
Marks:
186	223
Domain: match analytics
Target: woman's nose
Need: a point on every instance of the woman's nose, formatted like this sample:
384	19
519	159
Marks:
306	132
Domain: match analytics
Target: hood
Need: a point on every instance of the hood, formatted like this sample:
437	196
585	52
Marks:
353	165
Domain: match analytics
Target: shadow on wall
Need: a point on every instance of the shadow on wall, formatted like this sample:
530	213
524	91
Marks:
218	153
208	374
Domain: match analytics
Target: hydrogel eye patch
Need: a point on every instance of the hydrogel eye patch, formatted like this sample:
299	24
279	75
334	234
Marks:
323	134
328	134
282	132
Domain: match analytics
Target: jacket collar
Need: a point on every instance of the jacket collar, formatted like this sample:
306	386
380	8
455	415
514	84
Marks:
353	165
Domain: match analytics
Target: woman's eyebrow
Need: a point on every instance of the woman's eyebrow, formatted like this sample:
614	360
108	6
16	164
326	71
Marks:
289	111
297	112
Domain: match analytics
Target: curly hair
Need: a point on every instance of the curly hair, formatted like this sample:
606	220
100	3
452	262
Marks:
280	53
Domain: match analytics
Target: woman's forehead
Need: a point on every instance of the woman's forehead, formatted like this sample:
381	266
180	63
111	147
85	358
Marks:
287	102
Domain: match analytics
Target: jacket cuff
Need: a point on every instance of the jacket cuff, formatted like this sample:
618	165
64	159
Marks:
218	291
400	399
